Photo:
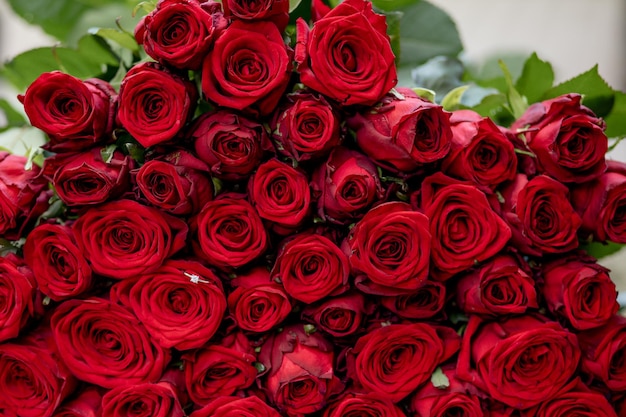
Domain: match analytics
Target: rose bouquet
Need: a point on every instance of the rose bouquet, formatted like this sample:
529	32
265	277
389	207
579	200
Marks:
259	221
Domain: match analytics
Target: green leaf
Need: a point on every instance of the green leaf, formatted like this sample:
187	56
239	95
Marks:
293	5
537	78
517	103
616	120
123	39
452	100
424	93
440	74
598	96
390	5
149	6
439	379
393	31
427	31
12	116
599	250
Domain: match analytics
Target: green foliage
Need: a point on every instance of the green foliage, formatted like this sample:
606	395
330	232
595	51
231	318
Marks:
600	250
537	77
616	119
439	379
12	116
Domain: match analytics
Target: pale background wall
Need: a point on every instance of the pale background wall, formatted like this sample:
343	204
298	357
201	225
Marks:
572	34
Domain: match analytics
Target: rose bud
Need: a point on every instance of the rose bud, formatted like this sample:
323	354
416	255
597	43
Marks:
74	114
180	33
365	405
567	138
34	380
276	11
235	406
123	238
306	126
423	303
181	304
601	204
85	179
502	285
403	134
340	316
177	183
456	397
154	103
603	351
88	403
311	267
154	400
280	194
519	361
59	266
228	233
540	215
346	186
395	359
218	370
23	195
576	400
248	69
579	290
105	344
480	152
20	299
465	230
347	55
389	250
257	304
299	370
232	145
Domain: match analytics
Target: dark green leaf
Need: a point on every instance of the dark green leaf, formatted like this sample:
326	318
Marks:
440	74
616	120
537	78
123	39
390	5
12	117
393	30
600	250
439	379
598	96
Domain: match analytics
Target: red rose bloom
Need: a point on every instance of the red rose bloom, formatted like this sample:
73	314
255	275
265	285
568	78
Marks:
339	316
248	69
142	400
365	405
154	103
88	403
423	303
104	344
123	238
347	55
235	406
577	400
276	11
75	114
20	301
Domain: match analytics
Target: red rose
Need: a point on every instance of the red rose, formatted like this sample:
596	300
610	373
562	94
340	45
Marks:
346	186
464	228
339	316
218	370
389	250
248	69
34	380
567	138
395	359
235	406
604	349
347	55
280	193
601	204
456	398
365	405
84	178
579	290
142	400
300	373
181	32
577	400
23	195
104	344
88	403
177	183
20	299
503	285
229	233
403	134
480	152
124	238
520	361
75	114
423	303
181	304
540	215
232	145
306	126
276	11
58	265
154	103
257	304
311	267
